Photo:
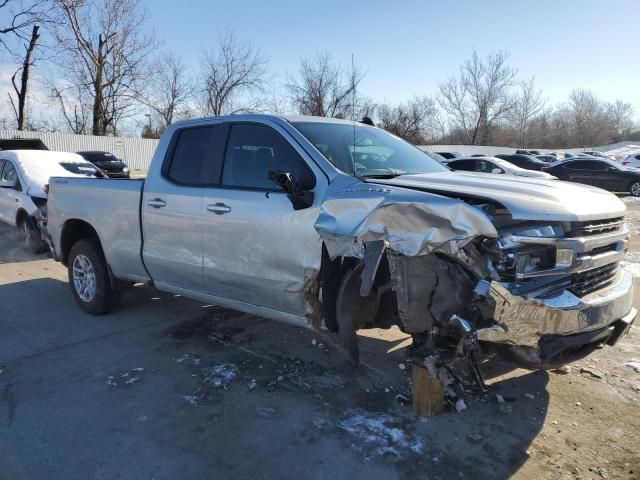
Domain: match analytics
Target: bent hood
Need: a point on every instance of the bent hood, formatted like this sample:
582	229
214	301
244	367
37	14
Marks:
525	198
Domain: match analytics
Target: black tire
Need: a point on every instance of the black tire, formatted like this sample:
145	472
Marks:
87	256
31	239
634	189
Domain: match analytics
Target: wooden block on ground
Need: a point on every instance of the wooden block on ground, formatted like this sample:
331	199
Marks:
427	392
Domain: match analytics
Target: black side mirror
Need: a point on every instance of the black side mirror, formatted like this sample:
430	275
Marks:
299	197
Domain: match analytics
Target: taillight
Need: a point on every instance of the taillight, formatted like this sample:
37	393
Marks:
46	205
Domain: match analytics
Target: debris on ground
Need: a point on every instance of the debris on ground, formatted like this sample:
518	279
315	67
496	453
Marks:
126	378
380	434
633	364
563	370
592	371
460	405
530	396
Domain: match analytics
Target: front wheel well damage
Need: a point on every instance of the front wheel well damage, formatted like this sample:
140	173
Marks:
419	294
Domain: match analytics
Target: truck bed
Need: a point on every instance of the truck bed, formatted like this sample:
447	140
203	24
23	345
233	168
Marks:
112	208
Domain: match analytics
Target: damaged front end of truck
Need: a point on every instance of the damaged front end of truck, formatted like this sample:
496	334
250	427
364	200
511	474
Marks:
457	271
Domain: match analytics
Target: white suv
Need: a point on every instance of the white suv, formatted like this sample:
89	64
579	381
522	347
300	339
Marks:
23	176
632	160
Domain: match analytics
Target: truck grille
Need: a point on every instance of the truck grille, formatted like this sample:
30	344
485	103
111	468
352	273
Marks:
591	280
595	227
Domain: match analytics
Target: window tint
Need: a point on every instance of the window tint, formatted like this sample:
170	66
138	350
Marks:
196	157
484	166
255	150
9	172
581	165
464	165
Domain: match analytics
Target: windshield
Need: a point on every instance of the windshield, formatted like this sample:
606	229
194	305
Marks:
81	168
367	151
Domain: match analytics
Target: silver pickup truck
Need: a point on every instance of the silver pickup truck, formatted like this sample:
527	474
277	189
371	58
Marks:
321	222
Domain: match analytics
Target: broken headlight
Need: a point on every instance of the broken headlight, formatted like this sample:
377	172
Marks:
517	255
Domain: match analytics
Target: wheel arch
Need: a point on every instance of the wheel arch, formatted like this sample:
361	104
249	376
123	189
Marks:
73	231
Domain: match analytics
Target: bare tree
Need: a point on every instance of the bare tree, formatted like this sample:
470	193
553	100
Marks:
526	105
233	74
105	49
18	16
169	90
620	118
19	104
324	89
75	107
480	96
412	121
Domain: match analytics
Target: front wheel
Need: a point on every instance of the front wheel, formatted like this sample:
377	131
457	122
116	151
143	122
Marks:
30	235
635	189
89	277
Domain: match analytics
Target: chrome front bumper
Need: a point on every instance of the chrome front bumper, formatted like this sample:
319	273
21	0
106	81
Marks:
526	322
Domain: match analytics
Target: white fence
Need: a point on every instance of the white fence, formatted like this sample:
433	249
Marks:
135	152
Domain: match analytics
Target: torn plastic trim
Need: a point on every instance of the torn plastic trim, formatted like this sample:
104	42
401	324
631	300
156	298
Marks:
523	322
411	222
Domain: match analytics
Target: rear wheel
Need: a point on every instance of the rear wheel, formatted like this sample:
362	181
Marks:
635	189
89	277
31	240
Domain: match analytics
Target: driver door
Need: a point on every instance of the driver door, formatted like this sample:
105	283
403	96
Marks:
258	249
9	199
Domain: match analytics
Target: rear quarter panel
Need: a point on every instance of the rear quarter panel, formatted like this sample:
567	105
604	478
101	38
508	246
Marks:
112	208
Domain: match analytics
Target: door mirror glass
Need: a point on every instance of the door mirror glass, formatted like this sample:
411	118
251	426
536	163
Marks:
497	170
299	194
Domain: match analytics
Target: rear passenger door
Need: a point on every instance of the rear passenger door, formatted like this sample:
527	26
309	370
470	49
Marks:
258	250
172	206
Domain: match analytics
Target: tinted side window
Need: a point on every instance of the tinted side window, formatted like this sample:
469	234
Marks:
253	151
597	166
578	165
9	172
465	165
196	156
1	165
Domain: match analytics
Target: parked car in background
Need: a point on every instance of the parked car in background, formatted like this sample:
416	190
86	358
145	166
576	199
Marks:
528	162
547	158
436	156
527	152
632	160
22	144
107	162
494	165
24	175
599	172
449	155
556	155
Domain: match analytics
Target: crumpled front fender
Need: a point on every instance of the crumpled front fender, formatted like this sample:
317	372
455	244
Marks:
412	223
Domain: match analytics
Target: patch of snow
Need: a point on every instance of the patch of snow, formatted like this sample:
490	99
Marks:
220	375
192	399
186	357
381	433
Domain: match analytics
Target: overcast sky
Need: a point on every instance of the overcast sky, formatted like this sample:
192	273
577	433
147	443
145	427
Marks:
408	47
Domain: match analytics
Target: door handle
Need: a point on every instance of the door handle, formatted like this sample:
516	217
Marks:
156	203
219	208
